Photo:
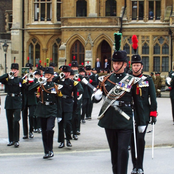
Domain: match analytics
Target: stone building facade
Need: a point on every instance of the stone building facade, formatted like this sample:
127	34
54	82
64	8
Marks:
84	29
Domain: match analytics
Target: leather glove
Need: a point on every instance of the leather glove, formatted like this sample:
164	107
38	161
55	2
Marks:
141	129
152	120
98	94
59	119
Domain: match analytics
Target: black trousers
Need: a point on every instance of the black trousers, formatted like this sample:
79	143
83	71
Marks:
86	108
65	124
172	104
140	139
13	118
75	123
47	125
31	109
118	143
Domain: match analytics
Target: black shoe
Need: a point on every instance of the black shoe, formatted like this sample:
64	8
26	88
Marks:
75	137
134	171
25	137
61	145
16	144
31	135
51	154
140	171
35	130
10	143
83	121
68	144
78	132
88	118
39	130
46	156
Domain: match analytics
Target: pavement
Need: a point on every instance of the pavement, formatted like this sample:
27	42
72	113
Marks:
90	152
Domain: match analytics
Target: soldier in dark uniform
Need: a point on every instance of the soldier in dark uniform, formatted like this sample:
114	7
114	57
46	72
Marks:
69	87
52	64
13	103
93	81
36	120
77	113
29	103
48	109
118	129
146	90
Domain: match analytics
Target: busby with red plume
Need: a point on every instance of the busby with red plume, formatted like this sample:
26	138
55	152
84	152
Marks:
136	57
74	62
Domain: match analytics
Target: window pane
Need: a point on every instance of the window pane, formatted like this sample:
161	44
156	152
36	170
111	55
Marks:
134	10
49	11
81	8
145	49
36	12
158	10
165	49
127	48
151	10
55	53
58	11
31	53
156	49
141	10
37	54
110	8
156	64
165	64
42	12
145	63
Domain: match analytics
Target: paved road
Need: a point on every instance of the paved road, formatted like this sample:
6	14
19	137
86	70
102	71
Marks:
88	162
90	153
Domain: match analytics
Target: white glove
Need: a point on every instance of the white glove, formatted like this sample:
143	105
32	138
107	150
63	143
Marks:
59	119
98	94
141	129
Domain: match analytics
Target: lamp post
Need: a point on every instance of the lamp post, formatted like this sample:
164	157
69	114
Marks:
5	47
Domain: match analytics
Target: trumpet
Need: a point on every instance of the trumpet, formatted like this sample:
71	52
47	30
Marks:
11	75
62	76
76	77
31	76
42	80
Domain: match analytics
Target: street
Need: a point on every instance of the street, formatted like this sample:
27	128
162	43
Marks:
89	154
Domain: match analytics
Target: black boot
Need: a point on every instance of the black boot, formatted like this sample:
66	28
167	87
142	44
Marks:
50	143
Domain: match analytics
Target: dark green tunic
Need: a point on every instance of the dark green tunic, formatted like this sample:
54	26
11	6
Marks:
112	118
13	86
55	109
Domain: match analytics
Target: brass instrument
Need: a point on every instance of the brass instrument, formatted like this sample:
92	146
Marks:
11	75
62	76
42	80
31	76
76	77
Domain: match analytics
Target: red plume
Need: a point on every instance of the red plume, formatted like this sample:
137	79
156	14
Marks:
36	65
40	61
51	59
69	64
88	62
45	64
134	42
82	63
74	57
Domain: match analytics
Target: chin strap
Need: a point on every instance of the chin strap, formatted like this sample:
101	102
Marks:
119	68
137	71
